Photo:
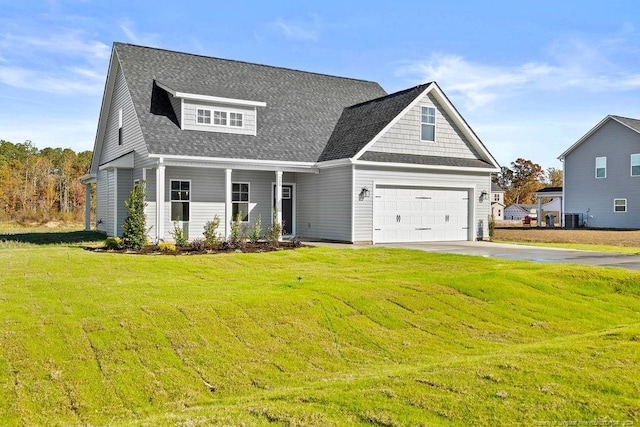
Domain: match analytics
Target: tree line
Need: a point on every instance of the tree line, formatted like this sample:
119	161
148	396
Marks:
523	179
37	186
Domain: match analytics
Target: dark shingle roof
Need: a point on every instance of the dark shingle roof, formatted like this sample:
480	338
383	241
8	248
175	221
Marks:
633	123
376	156
301	113
359	124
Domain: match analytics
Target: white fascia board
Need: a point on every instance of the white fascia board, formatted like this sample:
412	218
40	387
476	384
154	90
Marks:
221	162
334	163
209	98
392	123
432	167
586	136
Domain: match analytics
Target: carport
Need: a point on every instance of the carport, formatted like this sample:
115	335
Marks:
550	192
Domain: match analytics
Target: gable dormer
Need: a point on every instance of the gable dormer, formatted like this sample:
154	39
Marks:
209	113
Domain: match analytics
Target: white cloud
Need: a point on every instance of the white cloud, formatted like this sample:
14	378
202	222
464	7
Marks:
147	39
298	30
67	42
74	82
574	63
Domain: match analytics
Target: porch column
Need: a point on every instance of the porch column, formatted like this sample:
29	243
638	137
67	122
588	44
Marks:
228	207
160	200
87	206
278	196
539	211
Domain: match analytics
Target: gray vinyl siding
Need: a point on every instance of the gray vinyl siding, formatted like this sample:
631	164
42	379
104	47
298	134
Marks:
473	182
404	135
125	184
324	204
189	116
102	201
132	134
593	197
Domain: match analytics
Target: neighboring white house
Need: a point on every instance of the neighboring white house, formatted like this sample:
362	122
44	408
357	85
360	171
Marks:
336	158
497	202
602	174
517	212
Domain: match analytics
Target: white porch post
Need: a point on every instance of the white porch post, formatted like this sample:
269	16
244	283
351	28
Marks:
160	200
279	199
87	206
115	202
539	211
228	207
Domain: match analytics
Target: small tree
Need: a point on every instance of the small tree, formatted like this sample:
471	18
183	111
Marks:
211	238
135	230
256	230
274	231
179	235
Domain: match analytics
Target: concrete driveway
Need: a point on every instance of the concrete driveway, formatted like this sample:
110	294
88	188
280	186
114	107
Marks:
528	253
516	252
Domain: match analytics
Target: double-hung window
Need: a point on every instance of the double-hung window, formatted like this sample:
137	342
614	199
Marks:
635	165
204	116
120	141
180	198
619	205
427	124
601	167
240	200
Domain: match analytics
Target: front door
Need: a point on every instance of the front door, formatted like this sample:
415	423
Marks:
287	208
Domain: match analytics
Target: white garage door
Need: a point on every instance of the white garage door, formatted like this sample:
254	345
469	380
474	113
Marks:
414	214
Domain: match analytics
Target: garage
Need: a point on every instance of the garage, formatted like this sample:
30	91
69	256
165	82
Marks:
419	214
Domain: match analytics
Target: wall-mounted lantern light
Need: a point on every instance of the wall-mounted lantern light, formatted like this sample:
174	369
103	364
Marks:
483	194
364	193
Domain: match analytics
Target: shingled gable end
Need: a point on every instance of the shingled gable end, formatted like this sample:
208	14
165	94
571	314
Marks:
337	158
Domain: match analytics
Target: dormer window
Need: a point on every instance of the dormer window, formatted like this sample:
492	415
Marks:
235	119
220	118
204	116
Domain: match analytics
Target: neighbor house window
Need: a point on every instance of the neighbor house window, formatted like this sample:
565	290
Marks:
496	197
120	126
428	124
619	205
601	167
204	116
635	165
180	198
220	118
235	119
240	200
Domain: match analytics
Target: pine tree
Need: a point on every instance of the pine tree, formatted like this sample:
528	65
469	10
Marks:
135	233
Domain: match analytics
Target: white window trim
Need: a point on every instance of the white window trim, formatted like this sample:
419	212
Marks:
171	198
435	115
605	167
248	202
631	164
198	110
212	113
614	206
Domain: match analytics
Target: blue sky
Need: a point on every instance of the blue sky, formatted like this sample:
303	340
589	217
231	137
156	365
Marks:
530	78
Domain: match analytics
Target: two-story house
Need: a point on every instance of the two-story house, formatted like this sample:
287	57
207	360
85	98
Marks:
335	158
602	175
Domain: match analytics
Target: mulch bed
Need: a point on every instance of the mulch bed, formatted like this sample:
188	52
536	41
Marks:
247	248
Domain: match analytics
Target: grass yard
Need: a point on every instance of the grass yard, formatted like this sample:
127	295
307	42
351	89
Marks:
314	336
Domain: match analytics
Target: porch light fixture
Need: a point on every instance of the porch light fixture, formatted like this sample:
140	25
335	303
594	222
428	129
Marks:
483	194
364	193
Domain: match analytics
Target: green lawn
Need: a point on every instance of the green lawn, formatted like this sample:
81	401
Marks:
313	336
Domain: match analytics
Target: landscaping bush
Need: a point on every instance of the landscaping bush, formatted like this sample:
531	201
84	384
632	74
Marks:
238	236
274	231
113	243
135	232
256	230
211	237
198	245
166	247
179	235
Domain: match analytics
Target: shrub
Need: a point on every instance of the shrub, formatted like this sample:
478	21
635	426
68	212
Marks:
256	230
166	247
179	235
238	233
274	231
211	237
198	245
492	227
296	242
112	243
135	233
